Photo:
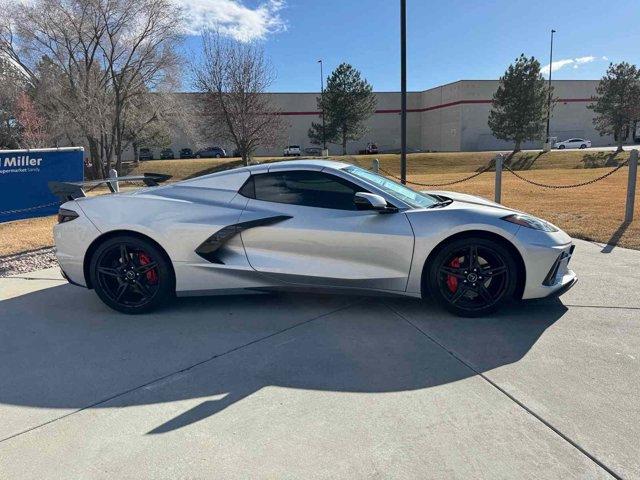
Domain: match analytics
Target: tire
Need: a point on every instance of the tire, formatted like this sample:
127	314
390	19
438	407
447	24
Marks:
472	288
561	147
198	156
121	275
583	146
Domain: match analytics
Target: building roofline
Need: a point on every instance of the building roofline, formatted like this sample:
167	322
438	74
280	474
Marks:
414	91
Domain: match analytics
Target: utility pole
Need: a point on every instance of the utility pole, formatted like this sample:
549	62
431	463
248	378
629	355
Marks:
403	91
324	139
549	98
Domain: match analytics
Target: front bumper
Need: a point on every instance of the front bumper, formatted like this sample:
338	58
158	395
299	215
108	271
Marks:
546	257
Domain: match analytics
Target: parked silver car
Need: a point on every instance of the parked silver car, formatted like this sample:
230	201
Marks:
306	225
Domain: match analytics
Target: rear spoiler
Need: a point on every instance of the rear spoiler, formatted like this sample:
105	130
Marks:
66	191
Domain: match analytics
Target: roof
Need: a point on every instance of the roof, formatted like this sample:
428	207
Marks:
299	163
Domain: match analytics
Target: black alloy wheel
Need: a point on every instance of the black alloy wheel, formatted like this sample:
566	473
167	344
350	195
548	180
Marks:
131	275
472	276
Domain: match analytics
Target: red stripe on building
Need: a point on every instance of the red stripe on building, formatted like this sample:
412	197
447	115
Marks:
442	105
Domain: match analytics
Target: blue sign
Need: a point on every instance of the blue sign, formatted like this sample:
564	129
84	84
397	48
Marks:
24	175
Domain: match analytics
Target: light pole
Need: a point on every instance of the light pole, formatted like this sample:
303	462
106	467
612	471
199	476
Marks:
549	97
403	91
324	140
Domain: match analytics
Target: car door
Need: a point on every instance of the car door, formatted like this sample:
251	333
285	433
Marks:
318	236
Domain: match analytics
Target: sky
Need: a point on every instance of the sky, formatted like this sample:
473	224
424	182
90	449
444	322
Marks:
446	40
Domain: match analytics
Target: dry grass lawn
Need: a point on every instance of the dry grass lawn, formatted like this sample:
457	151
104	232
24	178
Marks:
594	212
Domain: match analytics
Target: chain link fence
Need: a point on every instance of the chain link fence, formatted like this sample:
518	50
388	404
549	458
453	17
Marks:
499	164
574	185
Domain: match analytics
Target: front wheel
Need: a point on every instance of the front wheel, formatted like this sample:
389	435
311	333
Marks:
583	146
561	147
131	275
472	276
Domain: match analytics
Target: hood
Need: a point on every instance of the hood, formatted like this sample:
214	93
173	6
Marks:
466	198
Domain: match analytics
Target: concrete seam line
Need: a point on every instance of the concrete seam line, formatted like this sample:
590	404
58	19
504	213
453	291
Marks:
510	397
178	372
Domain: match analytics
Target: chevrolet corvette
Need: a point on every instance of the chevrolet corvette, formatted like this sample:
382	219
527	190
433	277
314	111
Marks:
304	225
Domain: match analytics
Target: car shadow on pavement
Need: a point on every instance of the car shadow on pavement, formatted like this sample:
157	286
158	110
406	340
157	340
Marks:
60	348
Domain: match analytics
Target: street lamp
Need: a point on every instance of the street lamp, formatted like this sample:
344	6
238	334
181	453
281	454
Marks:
403	91
324	140
549	97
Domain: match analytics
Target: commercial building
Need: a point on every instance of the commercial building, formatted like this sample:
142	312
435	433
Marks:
451	117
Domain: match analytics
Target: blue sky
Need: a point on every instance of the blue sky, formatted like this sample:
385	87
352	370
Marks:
447	40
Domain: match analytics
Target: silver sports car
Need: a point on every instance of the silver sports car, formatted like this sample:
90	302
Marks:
302	225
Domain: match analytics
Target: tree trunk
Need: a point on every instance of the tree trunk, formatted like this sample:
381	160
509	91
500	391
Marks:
344	142
516	148
136	154
94	158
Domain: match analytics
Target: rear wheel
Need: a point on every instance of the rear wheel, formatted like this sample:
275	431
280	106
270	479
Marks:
472	276
131	275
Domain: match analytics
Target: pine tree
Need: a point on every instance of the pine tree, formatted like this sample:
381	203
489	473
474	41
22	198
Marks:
348	102
519	110
617	103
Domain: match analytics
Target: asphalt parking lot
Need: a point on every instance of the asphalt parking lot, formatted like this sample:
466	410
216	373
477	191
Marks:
306	386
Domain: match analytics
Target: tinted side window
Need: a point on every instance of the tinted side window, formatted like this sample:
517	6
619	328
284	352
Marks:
306	188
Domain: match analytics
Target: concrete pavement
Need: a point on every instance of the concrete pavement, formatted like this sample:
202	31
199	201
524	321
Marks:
306	386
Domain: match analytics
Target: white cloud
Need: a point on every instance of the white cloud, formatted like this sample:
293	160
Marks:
234	19
569	62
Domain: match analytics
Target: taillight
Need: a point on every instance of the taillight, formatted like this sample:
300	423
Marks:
65	215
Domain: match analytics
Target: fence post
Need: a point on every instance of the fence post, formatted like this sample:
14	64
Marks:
113	173
498	186
631	185
375	165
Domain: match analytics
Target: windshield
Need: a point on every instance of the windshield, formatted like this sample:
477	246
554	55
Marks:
396	190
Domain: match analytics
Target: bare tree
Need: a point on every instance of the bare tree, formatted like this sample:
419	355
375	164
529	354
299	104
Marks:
233	77
93	60
139	49
10	89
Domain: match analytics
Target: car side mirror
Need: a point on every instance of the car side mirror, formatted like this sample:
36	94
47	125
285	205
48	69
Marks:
371	201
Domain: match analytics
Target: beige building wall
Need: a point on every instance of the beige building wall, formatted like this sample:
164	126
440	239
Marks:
451	117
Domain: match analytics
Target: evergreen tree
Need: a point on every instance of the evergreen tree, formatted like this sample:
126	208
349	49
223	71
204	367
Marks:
519	110
348	102
617	103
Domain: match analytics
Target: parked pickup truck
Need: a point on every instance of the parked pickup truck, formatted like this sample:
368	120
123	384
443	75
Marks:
292	151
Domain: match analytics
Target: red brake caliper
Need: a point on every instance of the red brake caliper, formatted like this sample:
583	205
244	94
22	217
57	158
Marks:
452	282
152	275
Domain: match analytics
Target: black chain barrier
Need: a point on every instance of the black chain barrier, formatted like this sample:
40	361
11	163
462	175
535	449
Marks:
29	209
474	175
582	184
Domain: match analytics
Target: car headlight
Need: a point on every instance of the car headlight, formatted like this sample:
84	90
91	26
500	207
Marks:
530	221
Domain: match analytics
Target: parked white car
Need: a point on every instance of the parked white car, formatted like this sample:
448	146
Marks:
292	151
574	143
